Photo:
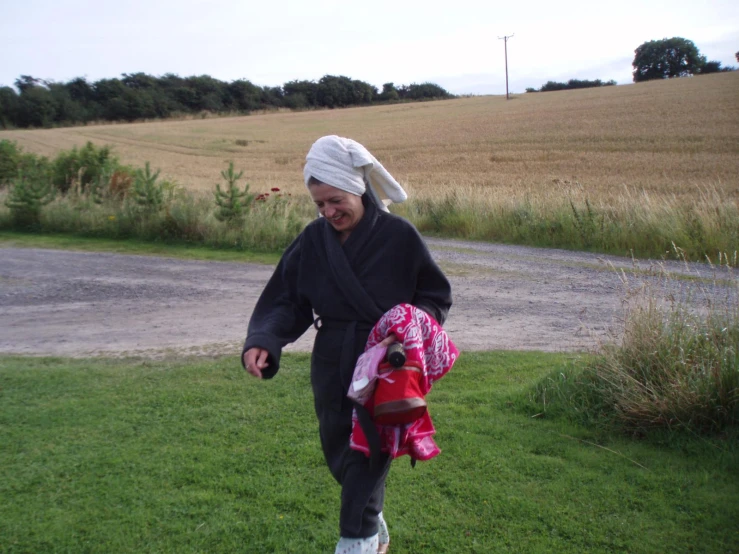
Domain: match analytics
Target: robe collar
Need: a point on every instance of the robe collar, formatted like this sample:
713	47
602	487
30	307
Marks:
343	259
362	233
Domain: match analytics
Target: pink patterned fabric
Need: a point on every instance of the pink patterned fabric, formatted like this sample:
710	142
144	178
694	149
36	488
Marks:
427	344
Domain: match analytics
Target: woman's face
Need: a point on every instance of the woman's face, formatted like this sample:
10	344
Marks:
342	209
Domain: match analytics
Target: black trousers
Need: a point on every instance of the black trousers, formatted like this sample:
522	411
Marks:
362	485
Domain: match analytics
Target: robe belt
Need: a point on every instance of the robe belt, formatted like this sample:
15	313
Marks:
346	367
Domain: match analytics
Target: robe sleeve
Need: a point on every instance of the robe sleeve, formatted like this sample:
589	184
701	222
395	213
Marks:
433	292
281	314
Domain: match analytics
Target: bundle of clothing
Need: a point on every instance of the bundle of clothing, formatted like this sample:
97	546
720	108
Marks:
430	354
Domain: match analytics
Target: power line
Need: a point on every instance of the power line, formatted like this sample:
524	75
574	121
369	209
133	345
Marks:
505	46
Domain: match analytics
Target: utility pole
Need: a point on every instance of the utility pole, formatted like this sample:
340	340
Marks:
505	46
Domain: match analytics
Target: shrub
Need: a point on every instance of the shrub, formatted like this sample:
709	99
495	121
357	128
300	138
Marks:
13	161
26	198
676	365
120	182
10	160
82	166
550	86
233	202
148	195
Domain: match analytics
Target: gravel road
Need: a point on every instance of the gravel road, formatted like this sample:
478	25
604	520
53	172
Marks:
55	302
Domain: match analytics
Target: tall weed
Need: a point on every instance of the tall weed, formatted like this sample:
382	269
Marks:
672	365
565	216
161	211
82	166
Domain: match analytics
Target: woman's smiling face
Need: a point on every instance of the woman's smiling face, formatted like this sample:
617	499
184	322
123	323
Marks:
342	209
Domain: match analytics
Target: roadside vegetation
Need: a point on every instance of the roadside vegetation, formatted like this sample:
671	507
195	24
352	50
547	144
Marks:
195	456
87	192
671	365
630	225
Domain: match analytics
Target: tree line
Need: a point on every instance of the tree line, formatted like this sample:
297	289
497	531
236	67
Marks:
136	96
572	84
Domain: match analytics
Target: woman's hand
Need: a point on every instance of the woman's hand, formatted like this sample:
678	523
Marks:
387	341
255	360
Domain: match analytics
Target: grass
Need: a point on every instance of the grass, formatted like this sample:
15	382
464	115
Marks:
195	456
11	239
671	364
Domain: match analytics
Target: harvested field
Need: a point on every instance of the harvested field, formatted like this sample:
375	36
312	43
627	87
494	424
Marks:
676	139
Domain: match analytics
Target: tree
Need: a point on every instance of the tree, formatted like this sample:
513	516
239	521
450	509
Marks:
669	57
389	93
36	108
25	82
713	66
232	202
147	193
26	198
9	103
573	84
300	94
243	96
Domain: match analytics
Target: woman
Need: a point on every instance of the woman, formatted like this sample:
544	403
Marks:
348	267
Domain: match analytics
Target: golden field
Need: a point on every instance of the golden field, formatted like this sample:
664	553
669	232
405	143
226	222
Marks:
676	140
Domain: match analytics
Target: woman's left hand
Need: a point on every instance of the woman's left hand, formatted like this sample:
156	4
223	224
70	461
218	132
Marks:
390	339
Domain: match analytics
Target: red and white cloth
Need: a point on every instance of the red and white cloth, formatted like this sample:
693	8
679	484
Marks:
428	346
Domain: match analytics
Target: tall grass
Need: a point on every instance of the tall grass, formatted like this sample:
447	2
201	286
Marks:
675	365
103	198
124	203
632	226
630	223
185	218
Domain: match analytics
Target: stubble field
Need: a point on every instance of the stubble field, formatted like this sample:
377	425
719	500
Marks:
671	141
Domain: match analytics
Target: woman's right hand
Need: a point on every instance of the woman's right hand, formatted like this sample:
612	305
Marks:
255	360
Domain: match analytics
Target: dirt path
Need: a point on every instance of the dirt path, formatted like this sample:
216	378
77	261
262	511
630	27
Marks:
55	302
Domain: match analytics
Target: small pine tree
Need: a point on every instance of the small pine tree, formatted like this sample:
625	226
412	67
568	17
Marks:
147	193
233	202
99	189
25	200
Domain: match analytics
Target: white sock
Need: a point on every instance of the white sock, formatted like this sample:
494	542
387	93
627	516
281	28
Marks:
357	546
383	537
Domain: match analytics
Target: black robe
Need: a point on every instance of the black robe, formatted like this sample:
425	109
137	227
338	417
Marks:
384	262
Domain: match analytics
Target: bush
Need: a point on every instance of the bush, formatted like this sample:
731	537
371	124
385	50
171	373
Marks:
10	160
26	198
82	166
675	367
550	86
137	204
13	162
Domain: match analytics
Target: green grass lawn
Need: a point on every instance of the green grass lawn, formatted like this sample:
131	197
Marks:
196	456
131	246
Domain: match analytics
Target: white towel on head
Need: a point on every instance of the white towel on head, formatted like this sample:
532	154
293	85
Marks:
347	165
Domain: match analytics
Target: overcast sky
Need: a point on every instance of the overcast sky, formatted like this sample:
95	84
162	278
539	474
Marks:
452	42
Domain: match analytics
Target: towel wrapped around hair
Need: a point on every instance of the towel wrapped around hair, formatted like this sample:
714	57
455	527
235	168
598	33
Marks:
347	165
